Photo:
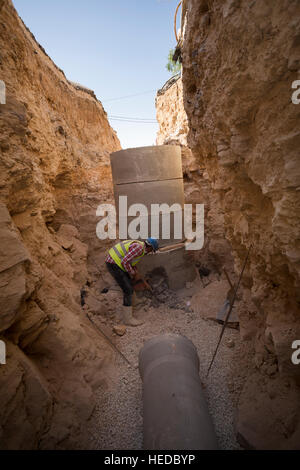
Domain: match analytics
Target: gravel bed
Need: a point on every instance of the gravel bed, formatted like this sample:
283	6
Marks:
117	420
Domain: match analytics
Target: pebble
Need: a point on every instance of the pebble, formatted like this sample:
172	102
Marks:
120	330
230	343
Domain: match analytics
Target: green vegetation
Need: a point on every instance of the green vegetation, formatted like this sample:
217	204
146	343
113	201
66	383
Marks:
173	67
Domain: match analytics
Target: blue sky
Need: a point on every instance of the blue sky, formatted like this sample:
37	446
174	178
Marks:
115	47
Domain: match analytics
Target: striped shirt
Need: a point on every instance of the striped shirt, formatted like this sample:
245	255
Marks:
135	250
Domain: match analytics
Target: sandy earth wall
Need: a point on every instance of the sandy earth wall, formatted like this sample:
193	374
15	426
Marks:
55	142
240	59
173	130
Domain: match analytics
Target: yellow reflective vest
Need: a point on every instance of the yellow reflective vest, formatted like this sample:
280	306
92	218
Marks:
119	251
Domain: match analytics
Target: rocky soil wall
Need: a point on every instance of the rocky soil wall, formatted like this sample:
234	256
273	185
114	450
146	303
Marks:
240	59
234	116
55	142
173	130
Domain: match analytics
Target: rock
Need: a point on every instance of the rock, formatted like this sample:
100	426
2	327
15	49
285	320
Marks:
120	330
282	334
230	343
12	250
261	412
13	255
211	304
68	231
25	402
31	324
171	114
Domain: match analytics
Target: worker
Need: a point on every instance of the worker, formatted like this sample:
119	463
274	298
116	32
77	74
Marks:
121	263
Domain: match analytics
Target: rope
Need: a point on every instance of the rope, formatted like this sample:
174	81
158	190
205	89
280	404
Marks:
108	340
175	20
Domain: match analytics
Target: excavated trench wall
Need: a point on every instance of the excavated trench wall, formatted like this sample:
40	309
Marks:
232	113
240	60
173	130
55	142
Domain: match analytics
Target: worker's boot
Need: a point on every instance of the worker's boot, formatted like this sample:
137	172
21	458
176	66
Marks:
137	302
128	317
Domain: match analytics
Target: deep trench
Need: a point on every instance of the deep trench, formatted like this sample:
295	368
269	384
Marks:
55	173
117	421
176	304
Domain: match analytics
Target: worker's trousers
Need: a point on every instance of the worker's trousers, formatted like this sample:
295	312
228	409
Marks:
124	281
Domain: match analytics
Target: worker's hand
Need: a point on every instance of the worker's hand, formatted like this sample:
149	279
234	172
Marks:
137	275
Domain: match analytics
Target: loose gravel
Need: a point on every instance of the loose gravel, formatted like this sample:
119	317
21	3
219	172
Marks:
118	417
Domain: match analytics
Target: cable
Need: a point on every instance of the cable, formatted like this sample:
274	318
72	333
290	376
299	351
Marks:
107	339
229	311
113	116
132	119
135	122
129	96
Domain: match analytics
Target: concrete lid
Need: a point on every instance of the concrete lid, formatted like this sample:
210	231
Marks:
156	163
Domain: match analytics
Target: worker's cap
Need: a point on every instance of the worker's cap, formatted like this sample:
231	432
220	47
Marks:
153	243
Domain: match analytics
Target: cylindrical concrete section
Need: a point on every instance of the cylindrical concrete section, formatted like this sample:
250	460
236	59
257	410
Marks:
153	176
150	175
175	412
141	164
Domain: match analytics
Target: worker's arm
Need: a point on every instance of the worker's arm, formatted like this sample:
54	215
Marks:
134	252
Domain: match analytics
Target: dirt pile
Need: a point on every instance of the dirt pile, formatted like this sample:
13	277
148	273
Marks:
55	142
240	59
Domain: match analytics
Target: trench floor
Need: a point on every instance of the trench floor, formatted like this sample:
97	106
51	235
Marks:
118	417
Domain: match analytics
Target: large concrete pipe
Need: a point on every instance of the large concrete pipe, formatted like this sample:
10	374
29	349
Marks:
149	175
176	416
153	175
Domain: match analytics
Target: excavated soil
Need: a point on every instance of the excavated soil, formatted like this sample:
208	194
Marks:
117	420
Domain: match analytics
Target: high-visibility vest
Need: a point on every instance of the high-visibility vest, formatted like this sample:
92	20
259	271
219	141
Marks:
119	251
